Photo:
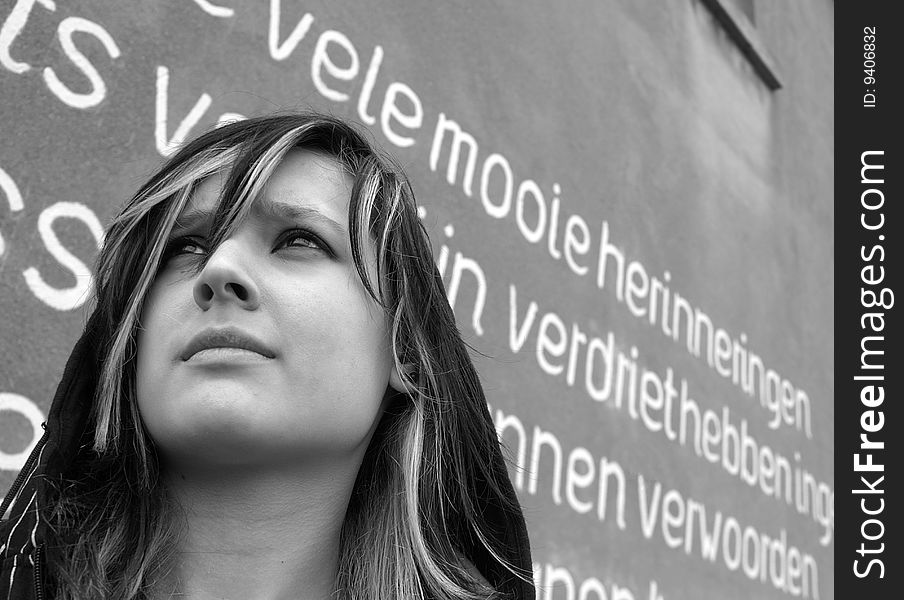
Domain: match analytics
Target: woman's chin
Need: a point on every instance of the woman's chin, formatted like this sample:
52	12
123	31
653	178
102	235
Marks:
214	435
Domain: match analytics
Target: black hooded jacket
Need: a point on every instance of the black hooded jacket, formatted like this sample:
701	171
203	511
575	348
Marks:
25	558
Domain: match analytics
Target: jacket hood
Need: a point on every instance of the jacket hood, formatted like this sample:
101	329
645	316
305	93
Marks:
22	531
24	558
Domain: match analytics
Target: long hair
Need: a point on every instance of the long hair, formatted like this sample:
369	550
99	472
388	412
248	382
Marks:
417	519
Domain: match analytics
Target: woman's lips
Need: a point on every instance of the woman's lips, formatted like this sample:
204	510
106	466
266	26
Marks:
225	342
226	355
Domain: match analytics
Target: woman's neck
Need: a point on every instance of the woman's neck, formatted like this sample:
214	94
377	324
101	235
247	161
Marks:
259	533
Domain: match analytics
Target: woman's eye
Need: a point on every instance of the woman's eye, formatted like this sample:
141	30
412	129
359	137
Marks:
183	245
300	238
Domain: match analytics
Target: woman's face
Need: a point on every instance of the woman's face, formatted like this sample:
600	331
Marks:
274	350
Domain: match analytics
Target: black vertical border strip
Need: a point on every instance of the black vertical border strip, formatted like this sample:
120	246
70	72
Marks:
859	129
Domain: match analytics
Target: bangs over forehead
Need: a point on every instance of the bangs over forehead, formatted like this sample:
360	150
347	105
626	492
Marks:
218	210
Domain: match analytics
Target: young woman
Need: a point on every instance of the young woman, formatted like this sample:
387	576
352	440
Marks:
271	398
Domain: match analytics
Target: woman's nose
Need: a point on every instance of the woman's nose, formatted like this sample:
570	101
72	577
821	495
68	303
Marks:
226	279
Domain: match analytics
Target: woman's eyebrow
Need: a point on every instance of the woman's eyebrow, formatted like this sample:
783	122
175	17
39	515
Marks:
290	211
189	218
270	209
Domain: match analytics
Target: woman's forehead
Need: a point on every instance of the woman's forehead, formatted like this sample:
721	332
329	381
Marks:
305	186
